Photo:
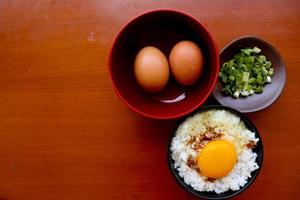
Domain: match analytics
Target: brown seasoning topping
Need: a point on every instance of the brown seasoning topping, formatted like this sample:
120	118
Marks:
251	144
210	179
199	141
191	162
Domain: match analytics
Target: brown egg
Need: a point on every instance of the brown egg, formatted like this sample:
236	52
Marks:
151	69
186	62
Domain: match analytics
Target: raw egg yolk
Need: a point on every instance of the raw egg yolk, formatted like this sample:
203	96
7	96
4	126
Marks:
217	158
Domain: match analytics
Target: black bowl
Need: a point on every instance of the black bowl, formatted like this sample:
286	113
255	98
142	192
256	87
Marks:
212	195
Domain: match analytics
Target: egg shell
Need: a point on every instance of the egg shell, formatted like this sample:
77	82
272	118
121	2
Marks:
151	69
186	62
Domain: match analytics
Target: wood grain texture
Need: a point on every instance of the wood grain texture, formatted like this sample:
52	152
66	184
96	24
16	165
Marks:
65	135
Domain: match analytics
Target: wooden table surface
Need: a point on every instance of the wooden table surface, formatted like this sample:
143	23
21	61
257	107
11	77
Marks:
64	134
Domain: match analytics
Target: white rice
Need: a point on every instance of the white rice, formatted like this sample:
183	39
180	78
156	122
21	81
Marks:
234	131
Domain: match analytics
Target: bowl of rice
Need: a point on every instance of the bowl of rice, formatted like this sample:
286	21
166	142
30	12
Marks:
215	153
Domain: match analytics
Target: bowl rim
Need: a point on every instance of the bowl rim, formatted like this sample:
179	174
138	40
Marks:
187	187
277	53
153	116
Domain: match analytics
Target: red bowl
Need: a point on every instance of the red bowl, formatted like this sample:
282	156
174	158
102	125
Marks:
162	29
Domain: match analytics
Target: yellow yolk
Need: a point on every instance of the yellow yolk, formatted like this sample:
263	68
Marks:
217	158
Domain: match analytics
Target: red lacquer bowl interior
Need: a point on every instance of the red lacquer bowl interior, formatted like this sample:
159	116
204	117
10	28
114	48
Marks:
162	29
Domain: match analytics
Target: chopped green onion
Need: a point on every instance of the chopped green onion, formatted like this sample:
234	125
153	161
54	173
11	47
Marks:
271	71
256	50
245	76
246	73
259	89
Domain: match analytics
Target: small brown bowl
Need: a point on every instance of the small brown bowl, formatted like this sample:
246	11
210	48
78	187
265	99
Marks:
271	92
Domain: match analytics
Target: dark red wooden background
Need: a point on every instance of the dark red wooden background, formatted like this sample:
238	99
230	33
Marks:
65	135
